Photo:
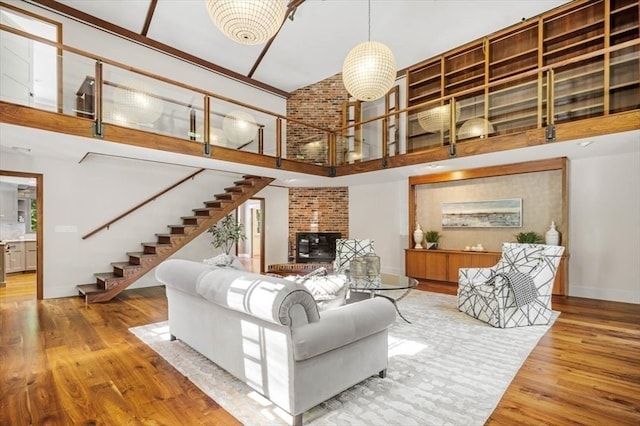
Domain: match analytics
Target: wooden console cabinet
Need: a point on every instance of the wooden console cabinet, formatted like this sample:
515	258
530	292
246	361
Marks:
443	265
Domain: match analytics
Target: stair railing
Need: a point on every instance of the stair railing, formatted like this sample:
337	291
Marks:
143	203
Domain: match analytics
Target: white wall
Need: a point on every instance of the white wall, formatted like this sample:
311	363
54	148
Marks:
604	228
380	212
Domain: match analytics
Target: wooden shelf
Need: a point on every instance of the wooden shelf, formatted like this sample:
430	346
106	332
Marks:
513	72
624	31
465	68
423	97
517	55
424	80
513	104
520	118
566	35
630	6
574	46
622	86
464	81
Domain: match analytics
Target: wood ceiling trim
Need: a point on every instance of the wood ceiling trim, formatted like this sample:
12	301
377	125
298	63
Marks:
290	8
147	21
141	39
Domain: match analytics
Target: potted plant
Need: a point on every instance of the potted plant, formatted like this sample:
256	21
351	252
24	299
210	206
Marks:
225	234
529	237
432	238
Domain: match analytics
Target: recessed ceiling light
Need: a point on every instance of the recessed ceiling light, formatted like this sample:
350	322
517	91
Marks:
585	143
20	148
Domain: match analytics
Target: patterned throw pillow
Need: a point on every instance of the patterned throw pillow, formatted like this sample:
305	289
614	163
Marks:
523	258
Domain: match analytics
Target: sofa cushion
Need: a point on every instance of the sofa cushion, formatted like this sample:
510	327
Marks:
329	291
269	298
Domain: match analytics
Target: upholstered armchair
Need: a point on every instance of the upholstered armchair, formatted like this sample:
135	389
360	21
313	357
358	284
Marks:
516	291
349	249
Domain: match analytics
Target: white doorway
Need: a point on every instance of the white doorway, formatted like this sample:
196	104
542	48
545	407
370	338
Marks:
21	231
251	249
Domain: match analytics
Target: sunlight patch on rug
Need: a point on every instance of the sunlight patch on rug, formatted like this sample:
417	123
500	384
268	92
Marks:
444	368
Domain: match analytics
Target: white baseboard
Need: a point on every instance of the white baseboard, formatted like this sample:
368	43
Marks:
613	295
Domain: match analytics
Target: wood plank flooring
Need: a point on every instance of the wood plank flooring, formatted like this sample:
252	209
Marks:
66	363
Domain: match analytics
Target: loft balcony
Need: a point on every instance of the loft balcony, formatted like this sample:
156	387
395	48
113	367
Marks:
593	94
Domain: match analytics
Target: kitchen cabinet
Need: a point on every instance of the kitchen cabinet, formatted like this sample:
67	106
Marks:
8	202
30	256
14	257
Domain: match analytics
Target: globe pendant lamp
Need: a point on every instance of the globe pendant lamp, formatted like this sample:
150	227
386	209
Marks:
369	70
476	127
248	21
437	119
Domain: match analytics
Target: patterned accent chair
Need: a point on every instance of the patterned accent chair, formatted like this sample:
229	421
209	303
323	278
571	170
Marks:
349	249
487	293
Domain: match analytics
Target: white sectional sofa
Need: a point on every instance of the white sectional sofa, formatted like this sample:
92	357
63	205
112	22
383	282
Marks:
268	332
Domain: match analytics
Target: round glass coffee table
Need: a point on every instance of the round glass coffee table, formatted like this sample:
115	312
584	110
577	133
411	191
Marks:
389	286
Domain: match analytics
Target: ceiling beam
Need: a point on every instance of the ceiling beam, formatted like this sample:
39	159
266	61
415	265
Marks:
72	13
291	7
147	21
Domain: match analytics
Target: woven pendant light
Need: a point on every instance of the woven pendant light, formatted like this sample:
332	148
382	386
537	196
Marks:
248	21
476	127
369	70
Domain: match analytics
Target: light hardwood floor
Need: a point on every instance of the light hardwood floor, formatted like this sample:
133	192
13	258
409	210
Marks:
66	363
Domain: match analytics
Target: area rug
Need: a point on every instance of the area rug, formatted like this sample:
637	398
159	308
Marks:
445	368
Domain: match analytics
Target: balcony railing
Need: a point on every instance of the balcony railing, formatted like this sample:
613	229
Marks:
600	83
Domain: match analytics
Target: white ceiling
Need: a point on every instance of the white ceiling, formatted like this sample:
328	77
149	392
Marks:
313	45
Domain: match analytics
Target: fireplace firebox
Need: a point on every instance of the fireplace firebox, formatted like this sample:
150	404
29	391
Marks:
316	246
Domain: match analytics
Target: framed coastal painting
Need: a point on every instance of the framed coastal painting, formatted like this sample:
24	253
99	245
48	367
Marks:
483	214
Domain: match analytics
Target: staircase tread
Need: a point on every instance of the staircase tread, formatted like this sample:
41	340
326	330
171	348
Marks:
157	244
234	189
125	265
107	275
140	254
89	288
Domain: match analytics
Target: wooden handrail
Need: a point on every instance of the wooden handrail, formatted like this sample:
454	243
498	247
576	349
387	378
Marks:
147	201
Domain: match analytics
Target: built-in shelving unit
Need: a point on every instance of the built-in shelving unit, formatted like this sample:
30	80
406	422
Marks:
594	86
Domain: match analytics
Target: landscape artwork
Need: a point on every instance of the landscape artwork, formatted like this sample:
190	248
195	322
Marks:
483	214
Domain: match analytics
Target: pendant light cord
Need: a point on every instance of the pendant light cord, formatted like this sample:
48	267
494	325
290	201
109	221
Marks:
369	32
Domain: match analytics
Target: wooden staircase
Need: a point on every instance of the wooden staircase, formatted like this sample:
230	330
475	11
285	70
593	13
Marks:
109	284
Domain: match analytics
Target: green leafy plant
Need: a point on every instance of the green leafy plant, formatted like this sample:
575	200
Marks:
226	233
432	236
528	237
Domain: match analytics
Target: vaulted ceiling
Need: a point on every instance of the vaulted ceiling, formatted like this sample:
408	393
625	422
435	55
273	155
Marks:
313	42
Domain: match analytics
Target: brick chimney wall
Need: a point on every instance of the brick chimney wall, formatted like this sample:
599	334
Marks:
318	210
319	104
